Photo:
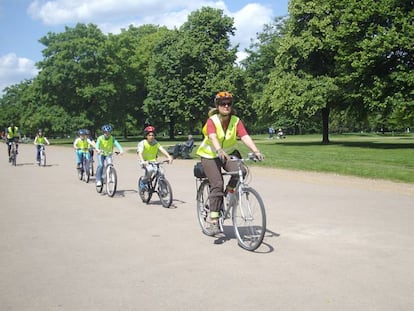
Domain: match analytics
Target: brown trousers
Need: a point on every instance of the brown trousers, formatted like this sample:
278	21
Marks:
212	169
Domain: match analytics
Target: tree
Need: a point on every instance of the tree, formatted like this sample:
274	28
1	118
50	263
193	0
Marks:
73	74
188	67
343	55
260	62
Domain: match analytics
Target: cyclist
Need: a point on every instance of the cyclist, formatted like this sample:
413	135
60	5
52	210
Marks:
39	141
91	143
105	145
220	132
12	135
147	151
81	146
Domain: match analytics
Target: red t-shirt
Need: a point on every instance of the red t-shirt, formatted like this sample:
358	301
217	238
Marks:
211	128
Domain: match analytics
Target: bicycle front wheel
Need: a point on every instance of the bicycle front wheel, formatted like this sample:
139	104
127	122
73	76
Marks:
249	219
42	158
165	192
143	193
91	167
14	156
203	207
87	171
111	181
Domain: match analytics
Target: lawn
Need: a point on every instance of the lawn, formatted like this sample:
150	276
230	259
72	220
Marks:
365	155
369	156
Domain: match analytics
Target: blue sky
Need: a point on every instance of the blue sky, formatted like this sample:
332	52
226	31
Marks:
24	22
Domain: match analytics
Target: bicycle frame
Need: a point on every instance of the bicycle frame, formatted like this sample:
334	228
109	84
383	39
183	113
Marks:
159	173
157	184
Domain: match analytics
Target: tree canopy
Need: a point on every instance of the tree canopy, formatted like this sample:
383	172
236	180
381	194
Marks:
340	64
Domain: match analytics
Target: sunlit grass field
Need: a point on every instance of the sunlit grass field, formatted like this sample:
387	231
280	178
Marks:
370	156
364	155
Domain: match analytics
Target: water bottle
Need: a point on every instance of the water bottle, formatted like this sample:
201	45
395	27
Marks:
230	196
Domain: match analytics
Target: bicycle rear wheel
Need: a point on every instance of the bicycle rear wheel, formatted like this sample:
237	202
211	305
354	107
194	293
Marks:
249	220
165	192
111	180
203	207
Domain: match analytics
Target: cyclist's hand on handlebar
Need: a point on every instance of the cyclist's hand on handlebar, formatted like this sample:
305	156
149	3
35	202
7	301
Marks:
170	160
259	156
223	156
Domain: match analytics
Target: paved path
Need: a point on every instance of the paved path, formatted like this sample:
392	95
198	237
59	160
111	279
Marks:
333	243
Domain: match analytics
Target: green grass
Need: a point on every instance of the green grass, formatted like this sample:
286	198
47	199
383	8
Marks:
363	155
369	156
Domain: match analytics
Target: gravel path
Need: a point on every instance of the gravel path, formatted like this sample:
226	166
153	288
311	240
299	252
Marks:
333	243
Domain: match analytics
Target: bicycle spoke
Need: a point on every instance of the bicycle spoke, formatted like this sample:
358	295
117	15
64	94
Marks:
111	181
203	207
249	220
165	192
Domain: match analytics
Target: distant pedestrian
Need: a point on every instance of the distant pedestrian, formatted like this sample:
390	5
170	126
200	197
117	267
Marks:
271	132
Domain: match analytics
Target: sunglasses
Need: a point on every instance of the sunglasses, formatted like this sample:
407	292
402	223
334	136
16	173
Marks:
225	104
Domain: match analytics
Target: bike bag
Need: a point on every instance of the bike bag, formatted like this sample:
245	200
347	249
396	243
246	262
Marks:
199	171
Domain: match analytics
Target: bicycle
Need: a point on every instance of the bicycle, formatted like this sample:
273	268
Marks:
245	207
157	183
83	170
91	161
13	153
109	177
42	151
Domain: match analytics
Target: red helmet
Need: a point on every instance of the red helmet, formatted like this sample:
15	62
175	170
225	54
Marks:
223	96
149	129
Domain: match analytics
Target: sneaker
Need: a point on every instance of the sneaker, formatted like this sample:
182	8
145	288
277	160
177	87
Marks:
142	185
78	165
214	228
99	183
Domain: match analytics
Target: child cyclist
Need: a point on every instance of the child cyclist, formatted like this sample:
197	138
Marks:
39	141
147	151
81	146
105	146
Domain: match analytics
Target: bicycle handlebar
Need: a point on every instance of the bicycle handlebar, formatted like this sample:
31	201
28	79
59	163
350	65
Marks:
250	157
157	163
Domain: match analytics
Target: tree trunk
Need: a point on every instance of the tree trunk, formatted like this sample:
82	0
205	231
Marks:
171	129
325	125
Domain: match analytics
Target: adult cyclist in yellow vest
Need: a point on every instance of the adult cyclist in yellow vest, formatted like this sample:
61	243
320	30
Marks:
12	135
81	146
39	141
147	151
105	146
220	132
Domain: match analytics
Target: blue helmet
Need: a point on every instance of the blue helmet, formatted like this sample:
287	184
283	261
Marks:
106	128
81	132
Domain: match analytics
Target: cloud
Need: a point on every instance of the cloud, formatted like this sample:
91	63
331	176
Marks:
113	15
249	21
13	70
